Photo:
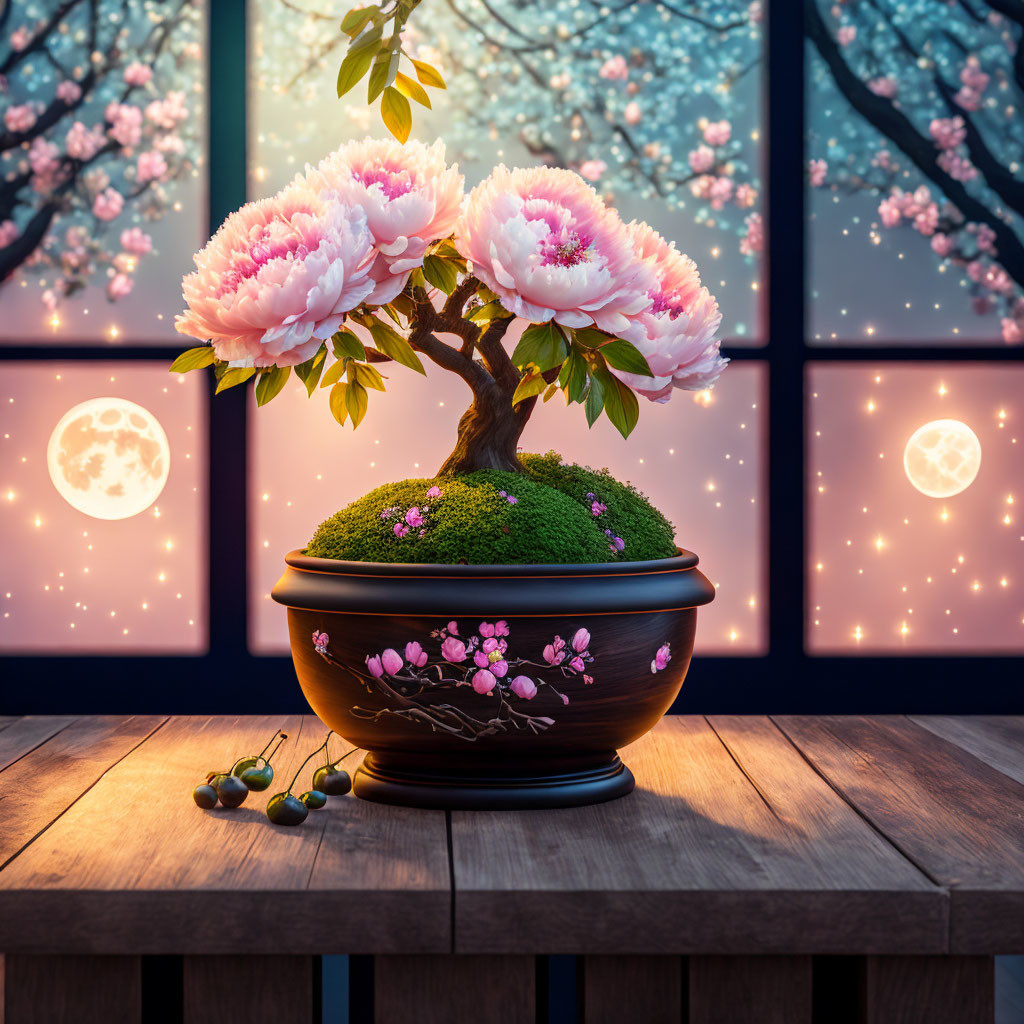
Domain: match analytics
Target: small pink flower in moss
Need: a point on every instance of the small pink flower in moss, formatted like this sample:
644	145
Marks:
320	641
486	629
581	640
453	650
588	680
391	660
662	658
501	628
512	500
434	492
413	517
597	508
484	681
576	664
400	529
481	660
415	655
525	687
453	628
374	666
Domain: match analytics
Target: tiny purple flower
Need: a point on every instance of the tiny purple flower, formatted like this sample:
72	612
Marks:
374	666
618	544
400	529
597	508
590	495
434	492
423	533
504	494
512	500
320	641
525	687
391	661
413	517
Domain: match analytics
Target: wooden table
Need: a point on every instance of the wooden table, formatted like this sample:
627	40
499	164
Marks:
754	852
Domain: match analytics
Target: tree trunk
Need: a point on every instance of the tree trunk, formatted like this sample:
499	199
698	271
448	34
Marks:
489	433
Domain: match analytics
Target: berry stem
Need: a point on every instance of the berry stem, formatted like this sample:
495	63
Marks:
283	736
273	753
323	746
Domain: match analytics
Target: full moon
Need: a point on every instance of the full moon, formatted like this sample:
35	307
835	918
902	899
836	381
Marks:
109	458
942	458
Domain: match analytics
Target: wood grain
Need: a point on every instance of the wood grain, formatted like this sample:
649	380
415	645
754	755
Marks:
135	849
998	740
705	857
640	988
750	990
929	990
248	989
444	989
22	735
72	990
955	816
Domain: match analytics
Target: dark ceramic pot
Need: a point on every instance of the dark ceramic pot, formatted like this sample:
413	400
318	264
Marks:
476	686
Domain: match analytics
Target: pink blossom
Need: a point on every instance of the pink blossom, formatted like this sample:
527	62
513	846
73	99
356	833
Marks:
169	143
125	123
889	211
717	133
410	197
753	240
581	640
20	38
615	68
8	233
413	517
108	204
633	113
565	698
501	628
453	650
886	86
701	187
587	680
593	169
374	666
453	628
278	278
484	681
400	530
20	118
1013	331
524	687
984	236
947	132
42	156
169	112
817	169
486	629
942	244
746	195
434	492
391	661
499	667
846	34
957	167
151	166
721	192
320	641
676	335
481	660
414	654
661	658
542	239
975	270
119	286
576	664
554	653
69	91
137	73
968	99
972	76
701	159
490	644
136	241
83	143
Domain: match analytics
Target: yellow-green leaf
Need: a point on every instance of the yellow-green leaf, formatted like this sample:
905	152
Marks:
193	359
394	109
233	376
352	69
532	384
309	371
368	376
345	343
270	384
428	75
334	373
356	402
408	87
541	344
440	273
337	402
489	311
392	344
355	21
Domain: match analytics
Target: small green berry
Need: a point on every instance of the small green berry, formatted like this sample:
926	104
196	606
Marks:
205	796
285	809
314	799
244	762
257	780
232	791
331	780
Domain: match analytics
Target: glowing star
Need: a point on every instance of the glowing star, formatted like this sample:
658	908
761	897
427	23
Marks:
108	458
942	458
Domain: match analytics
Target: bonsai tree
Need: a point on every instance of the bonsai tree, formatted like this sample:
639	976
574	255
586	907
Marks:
375	257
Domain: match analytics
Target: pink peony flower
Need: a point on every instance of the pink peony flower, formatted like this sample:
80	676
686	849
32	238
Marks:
151	167
717	133
543	240
125	123
136	241
137	73
633	113
615	68
278	278
413	517
374	666
453	650
676	335
20	118
391	661
581	640
409	194
593	169
83	143
8	233
701	159
434	492
400	530
119	286
320	641
661	658
108	204
415	655
69	91
525	687
484	681
816	171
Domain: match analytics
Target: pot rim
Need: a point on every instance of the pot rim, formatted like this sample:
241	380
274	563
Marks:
405	570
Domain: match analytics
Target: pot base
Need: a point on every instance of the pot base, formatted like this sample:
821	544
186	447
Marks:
376	782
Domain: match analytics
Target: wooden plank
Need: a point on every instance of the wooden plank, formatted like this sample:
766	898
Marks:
998	740
41	784
955	816
929	990
442	989
72	990
750	990
640	988
25	734
253	989
701	858
136	849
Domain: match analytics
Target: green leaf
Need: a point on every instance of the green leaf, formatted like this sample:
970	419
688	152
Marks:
394	109
368	39
193	359
378	75
270	384
355	21
233	376
551	391
595	401
620	404
575	379
590	337
408	87
352	69
368	376
624	355
531	384
356	402
489	311
440	273
428	75
334	373
345	343
309	371
541	344
337	402
446	248
392	344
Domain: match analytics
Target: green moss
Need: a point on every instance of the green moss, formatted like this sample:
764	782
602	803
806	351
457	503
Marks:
551	520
